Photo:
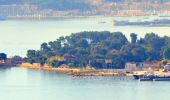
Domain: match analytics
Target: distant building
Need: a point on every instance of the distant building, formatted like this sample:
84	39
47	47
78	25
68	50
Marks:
167	67
13	61
152	65
131	66
143	65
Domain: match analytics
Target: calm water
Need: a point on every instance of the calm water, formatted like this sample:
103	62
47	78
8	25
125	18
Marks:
17	36
23	84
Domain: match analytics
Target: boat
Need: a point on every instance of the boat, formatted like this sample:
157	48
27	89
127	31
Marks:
148	74
136	77
162	79
152	77
146	79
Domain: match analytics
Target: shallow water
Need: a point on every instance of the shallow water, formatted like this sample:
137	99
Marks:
25	84
17	36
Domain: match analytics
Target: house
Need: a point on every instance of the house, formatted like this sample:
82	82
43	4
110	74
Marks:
13	61
131	66
108	60
149	65
143	65
167	67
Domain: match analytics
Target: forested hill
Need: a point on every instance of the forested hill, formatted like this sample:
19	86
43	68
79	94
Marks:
71	4
53	4
97	48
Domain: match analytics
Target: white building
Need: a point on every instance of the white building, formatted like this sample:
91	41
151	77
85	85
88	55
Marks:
131	66
167	67
143	65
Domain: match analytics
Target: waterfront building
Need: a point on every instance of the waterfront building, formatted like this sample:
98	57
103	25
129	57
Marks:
167	67
131	66
143	65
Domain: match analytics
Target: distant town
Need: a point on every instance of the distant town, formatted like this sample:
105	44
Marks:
95	8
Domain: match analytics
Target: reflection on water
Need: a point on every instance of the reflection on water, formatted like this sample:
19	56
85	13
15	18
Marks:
24	84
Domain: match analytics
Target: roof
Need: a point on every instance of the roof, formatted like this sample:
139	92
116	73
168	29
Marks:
131	62
152	63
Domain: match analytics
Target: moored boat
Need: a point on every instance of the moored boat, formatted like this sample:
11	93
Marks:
146	79
153	77
162	79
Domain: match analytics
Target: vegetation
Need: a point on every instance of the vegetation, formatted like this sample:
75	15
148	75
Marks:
101	50
66	4
3	56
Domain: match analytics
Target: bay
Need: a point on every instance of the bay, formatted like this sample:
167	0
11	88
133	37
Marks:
17	36
25	84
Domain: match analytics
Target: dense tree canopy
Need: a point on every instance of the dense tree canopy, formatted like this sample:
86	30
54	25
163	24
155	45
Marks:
133	37
101	50
3	56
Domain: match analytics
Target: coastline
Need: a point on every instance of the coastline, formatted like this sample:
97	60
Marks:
37	66
83	72
66	17
78	71
53	18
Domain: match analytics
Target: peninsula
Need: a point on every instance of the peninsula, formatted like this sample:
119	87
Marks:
100	50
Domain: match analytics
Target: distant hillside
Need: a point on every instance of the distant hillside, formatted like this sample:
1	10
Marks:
65	4
161	1
53	4
70	4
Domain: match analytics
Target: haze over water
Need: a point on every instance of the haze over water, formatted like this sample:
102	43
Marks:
17	36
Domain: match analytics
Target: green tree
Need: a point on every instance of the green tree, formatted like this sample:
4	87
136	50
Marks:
96	47
3	56
44	47
133	37
166	53
164	62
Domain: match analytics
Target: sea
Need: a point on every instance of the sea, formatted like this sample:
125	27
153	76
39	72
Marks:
26	84
18	36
